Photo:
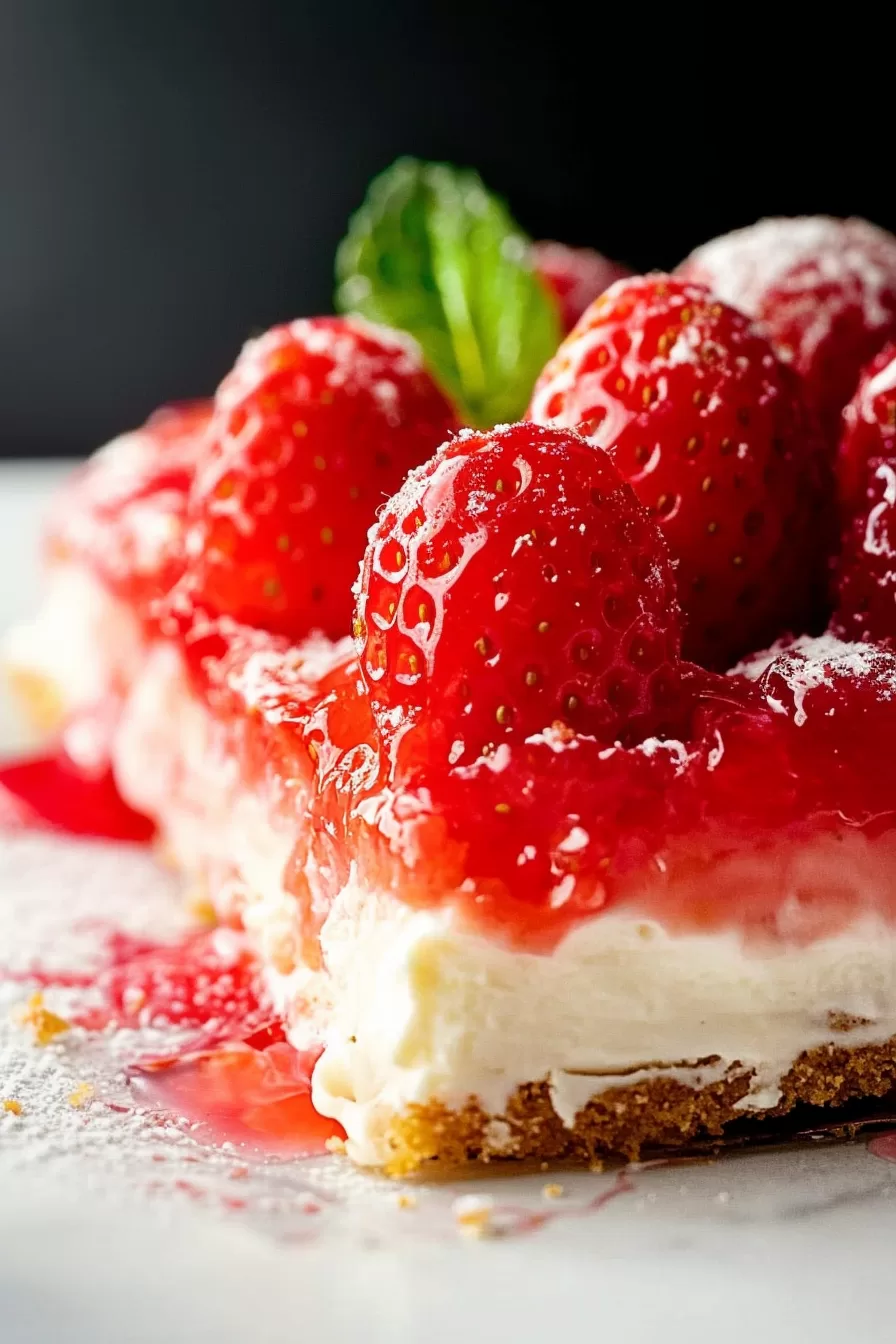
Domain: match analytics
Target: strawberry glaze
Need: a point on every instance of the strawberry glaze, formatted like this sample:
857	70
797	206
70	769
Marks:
50	793
235	1075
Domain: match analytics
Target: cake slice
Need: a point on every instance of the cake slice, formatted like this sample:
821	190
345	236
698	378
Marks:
536	885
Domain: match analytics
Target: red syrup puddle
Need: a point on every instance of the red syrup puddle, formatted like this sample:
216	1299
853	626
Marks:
236	1077
50	793
884	1146
513	1220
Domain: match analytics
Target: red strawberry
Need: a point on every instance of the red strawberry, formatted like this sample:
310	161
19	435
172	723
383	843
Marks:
823	290
755	821
123	513
317	423
514	581
866	585
708	427
869	428
576	276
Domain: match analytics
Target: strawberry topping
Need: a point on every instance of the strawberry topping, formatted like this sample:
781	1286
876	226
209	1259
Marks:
123	512
708	427
316	424
866	580
514	582
869	429
576	276
823	290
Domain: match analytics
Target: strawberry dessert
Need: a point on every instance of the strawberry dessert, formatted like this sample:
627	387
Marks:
539	762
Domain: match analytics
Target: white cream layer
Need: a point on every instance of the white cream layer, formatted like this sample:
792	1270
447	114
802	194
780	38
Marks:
414	1008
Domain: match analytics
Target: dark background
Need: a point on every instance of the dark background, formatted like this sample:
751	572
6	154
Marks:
176	173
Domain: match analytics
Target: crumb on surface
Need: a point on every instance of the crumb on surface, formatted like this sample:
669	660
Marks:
552	1190
405	1200
45	1025
473	1215
81	1095
11	1106
200	908
335	1145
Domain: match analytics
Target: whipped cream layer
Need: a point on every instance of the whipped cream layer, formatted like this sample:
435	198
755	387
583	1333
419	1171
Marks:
421	1010
414	1008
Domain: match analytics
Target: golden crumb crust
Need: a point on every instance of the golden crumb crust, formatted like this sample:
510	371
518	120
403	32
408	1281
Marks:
659	1113
38	698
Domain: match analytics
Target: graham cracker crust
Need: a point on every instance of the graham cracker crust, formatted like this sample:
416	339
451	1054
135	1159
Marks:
659	1113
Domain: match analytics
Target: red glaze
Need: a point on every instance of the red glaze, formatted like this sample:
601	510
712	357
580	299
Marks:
237	1076
884	1146
708	427
514	582
866	577
317	423
823	291
50	793
556	829
576	276
869	430
122	515
259	1099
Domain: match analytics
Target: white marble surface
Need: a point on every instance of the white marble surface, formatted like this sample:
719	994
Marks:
774	1246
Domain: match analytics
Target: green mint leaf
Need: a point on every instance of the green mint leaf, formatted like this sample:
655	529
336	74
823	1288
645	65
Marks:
433	252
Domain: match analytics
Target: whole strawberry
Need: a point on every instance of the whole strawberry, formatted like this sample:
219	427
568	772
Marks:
823	290
868	430
514	582
318	422
576	276
866	578
122	515
709	429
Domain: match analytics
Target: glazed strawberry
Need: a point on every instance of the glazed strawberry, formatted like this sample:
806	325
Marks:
866	578
559	827
514	582
823	290
576	276
868	430
123	513
708	427
318	422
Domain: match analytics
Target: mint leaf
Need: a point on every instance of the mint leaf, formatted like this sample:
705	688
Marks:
433	252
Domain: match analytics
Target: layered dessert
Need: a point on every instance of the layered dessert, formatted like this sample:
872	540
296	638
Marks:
531	842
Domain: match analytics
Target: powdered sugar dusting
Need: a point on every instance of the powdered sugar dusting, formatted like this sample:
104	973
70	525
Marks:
742	267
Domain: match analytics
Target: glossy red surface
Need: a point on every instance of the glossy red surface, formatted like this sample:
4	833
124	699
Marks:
514	582
823	291
708	427
50	793
318	423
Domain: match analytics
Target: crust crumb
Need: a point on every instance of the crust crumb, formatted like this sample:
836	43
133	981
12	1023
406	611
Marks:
200	908
552	1190
80	1096
406	1200
11	1106
473	1215
46	1026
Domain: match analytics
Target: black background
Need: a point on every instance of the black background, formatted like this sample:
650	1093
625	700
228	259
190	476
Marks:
176	174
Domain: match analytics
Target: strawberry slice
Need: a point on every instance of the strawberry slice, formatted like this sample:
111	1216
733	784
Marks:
514	582
317	423
869	429
709	429
823	290
576	276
